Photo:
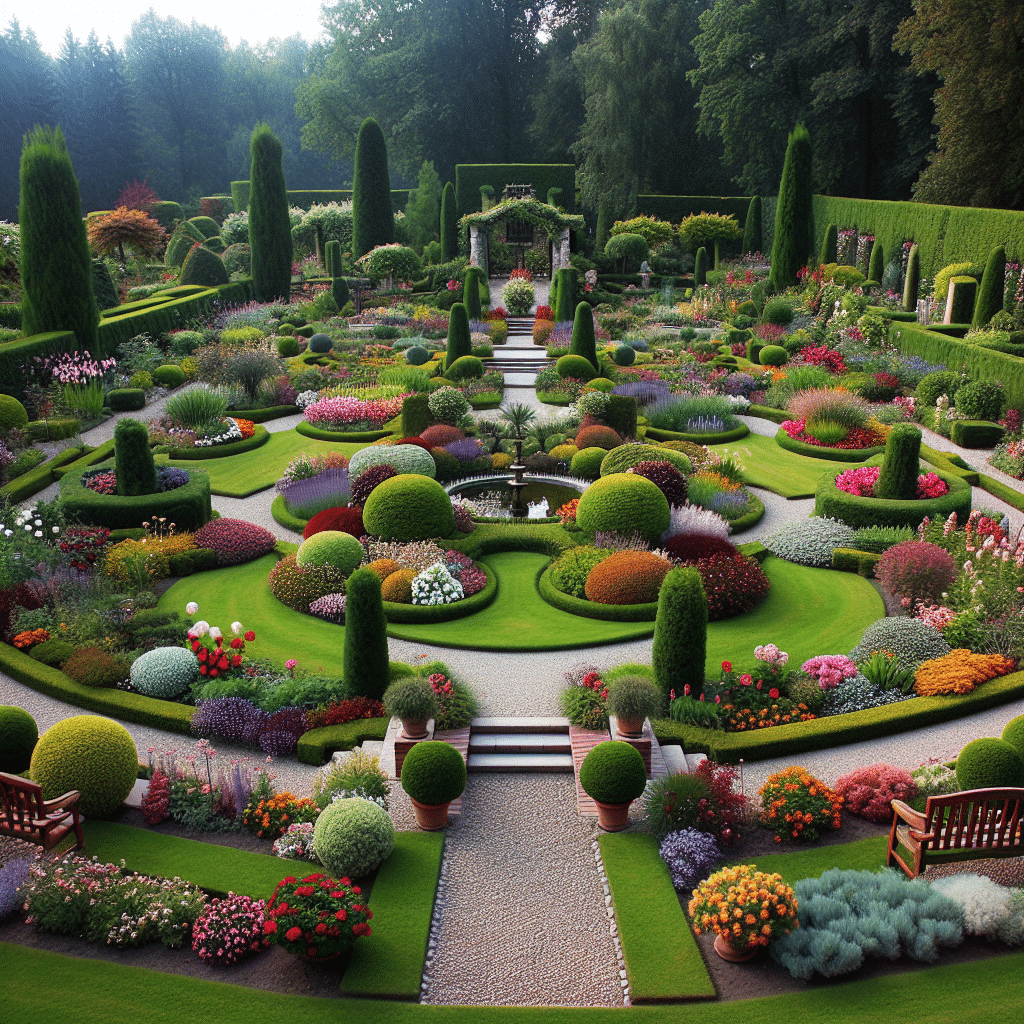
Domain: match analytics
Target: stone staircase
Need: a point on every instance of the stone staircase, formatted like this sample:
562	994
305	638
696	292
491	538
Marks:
519	745
519	355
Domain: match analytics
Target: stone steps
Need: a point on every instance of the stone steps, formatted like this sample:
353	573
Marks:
519	745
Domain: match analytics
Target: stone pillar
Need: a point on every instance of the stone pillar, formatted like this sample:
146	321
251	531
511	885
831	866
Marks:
477	255
562	259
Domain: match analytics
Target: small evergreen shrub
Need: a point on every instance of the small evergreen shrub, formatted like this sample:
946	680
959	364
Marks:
333	548
170	375
410	507
93	666
434	773
365	657
910	641
623	503
353	837
980	400
627	577
18	736
901	464
165	672
680	634
989	763
133	459
613	772
203	266
810	541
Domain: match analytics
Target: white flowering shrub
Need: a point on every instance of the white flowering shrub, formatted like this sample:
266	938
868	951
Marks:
986	904
436	585
910	640
694	519
934	780
810	542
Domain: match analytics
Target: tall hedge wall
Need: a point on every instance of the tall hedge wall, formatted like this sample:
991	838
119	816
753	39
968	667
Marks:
543	178
306	197
240	195
13	354
676	208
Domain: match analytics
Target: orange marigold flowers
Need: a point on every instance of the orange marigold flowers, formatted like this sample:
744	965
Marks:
796	805
959	672
747	915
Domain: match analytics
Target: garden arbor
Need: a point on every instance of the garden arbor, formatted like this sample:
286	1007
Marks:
526	210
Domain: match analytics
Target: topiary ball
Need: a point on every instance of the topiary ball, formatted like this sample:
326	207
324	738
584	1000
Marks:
602	384
627	577
287	346
94	755
434	773
330	547
586	463
773	355
416	355
618	460
397	586
410	507
406	458
353	837
575	367
989	763
165	672
320	344
440	434
18	735
465	368
624	356
12	414
170	375
597	436
1013	734
235	540
203	267
624	503
613	773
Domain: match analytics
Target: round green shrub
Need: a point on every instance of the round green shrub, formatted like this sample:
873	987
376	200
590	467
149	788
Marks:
12	414
980	400
202	266
989	763
434	773
1013	734
773	355
330	547
624	356
576	367
165	672
410	507
207	226
94	755
602	384
406	458
416	355
18	735
447	404
286	328
238	258
586	463
613	773
353	837
170	375
618	460
215	244
624	503
141	379
52	652
465	368
777	311
933	385
410	697
126	399
320	343
287	346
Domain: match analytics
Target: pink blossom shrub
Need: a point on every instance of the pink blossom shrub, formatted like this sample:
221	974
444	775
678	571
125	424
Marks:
916	571
235	540
339	412
829	669
861	482
868	791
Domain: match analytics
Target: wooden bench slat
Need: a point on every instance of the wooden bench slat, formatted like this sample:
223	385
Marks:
30	818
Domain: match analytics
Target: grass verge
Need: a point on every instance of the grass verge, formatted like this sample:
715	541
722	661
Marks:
863	855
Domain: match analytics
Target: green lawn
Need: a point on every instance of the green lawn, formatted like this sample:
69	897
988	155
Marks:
814	861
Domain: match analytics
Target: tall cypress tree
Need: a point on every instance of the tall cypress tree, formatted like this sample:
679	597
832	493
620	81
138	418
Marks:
270	229
56	265
990	294
373	218
449	224
752	227
794	234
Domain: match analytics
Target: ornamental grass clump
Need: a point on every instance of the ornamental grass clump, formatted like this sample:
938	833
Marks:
746	907
689	855
959	672
867	792
829	405
795	805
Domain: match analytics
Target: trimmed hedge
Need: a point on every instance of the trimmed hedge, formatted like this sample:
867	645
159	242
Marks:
783	440
279	510
976	433
23	487
765	412
543	178
677	208
315	746
852	560
355	436
736	434
271	412
259	438
593	609
92	457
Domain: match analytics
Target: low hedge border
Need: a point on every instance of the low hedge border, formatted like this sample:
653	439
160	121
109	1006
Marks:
279	510
553	398
421	614
783	440
260	437
188	506
948	462
486	402
271	412
766	412
748	519
736	434
355	436
1001	491
857	512
88	459
593	609
975	433
851	560
130	707
316	745
22	488
840	730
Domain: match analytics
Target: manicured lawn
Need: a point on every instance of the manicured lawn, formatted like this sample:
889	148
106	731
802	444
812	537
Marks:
794	864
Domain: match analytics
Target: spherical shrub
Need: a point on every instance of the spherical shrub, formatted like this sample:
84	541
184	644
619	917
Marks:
598	436
141	379
12	414
773	355
868	791
777	311
613	773
238	258
434	773
575	368
1013	734
409	507
448	405
287	347
624	356
52	652
368	482
627	577
989	764
320	344
405	458
628	455
564	452
235	540
346	520
416	355
691	547
93	666
383	567
165	672
441	434
18	735
624	503
571	570
910	640
94	755
668	479
465	368
330	547
916	571
353	837
810	541
933	385
980	400
586	463
397	588
170	375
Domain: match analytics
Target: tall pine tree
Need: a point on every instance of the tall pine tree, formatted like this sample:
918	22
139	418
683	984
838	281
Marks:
794	225
270	230
373	218
449	224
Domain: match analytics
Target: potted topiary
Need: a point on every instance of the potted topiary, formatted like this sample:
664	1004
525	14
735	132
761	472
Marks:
434	774
613	776
631	699
413	701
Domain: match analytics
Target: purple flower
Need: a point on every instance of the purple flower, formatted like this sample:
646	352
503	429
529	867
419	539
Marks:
330	607
232	718
282	730
690	856
466	449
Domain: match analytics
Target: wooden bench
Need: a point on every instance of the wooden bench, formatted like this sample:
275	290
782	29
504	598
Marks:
976	824
25	815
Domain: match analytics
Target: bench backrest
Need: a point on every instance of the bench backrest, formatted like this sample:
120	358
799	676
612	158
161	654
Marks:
22	802
975	819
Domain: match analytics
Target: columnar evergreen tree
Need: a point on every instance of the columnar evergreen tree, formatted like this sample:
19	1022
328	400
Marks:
459	341
794	236
913	280
681	634
582	341
56	265
449	224
373	217
333	258
990	295
471	292
604	224
365	665
270	229
133	458
829	245
876	262
897	478
752	238
700	267
565	299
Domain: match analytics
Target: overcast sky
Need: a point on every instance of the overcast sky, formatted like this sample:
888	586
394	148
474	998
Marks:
255	21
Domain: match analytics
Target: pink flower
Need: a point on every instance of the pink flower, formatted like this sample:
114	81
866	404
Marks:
290	664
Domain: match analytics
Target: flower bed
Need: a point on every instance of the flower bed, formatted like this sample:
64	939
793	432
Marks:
344	412
861	483
857	439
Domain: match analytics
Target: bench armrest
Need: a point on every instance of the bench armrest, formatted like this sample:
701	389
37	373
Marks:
60	802
915	819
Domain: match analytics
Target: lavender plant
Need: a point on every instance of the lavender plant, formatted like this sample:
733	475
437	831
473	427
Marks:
690	856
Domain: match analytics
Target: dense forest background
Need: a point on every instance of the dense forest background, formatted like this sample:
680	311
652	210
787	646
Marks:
903	98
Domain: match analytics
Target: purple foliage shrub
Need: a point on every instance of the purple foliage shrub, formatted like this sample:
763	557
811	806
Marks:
13	875
363	486
232	718
668	479
466	449
916	571
282	730
690	856
644	391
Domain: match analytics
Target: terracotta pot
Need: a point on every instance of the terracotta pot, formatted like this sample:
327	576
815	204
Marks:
727	951
414	728
631	727
612	817
430	817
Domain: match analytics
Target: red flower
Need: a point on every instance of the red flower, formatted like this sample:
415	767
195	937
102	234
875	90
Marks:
320	928
305	890
213	673
203	654
341	915
726	666
686	689
773	693
269	927
223	663
236	661
250	635
361	929
293	934
236	643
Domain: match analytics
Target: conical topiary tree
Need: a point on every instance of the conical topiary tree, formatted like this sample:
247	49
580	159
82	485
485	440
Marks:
471	292
681	634
752	227
794	238
449	224
990	294
459	342
365	665
373	217
565	299
829	246
901	464
56	264
582	341
700	267
133	459
913	281
876	262
270	229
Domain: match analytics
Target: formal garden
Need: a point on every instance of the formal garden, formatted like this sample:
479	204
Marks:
273	484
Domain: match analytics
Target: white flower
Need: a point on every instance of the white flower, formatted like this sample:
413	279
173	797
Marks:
54	529
215	633
201	628
236	628
191	608
28	527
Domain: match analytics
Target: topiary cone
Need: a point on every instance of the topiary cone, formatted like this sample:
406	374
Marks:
876	262
752	227
910	286
990	294
471	294
565	300
829	246
681	634
897	479
366	668
582	342
700	267
459	342
133	459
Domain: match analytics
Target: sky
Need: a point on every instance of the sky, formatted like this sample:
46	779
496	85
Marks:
255	20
